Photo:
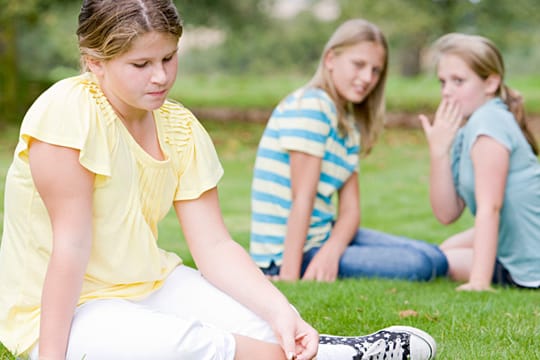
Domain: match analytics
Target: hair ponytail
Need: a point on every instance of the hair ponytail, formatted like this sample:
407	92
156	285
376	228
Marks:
514	101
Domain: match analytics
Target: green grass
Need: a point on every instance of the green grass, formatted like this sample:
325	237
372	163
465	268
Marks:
250	91
394	188
247	91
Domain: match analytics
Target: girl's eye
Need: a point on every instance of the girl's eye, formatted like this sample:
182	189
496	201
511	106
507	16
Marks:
139	65
168	58
458	81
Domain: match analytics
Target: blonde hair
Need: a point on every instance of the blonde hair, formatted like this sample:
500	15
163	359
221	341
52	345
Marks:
369	114
483	57
107	28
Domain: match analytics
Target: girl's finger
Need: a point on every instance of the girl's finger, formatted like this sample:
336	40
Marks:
455	114
441	110
425	123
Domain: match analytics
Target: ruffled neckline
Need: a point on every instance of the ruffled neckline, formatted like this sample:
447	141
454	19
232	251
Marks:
111	118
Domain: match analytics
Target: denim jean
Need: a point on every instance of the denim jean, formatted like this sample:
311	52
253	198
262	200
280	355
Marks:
373	253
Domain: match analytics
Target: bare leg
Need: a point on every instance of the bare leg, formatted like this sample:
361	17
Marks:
461	240
250	348
459	252
459	263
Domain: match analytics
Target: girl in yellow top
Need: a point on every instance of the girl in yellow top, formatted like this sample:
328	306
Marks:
100	160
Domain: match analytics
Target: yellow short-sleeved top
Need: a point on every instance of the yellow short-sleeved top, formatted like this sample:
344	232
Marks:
132	193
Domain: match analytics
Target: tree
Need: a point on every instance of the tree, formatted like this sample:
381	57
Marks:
39	35
16	88
225	14
12	14
411	25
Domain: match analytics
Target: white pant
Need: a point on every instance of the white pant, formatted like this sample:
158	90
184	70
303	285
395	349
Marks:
187	318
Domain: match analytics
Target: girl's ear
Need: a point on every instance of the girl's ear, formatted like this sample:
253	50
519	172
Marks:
493	82
94	65
329	60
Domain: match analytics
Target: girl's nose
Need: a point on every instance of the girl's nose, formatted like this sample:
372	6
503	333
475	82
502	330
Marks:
446	91
366	75
159	75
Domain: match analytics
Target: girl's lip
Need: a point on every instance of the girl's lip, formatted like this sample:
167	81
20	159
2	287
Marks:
360	88
360	91
157	93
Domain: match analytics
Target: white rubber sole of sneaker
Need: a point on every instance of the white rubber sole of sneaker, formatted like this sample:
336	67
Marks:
422	345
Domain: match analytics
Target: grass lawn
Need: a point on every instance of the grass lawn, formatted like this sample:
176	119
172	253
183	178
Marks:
504	324
416	94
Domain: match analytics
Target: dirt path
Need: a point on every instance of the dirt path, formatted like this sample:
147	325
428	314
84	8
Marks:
393	119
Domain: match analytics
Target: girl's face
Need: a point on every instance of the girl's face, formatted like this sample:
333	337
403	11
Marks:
355	70
139	80
460	84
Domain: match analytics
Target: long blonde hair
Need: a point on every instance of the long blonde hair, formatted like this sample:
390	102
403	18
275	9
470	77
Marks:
107	28
369	114
483	57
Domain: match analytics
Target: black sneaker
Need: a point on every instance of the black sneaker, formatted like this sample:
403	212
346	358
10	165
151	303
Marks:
394	342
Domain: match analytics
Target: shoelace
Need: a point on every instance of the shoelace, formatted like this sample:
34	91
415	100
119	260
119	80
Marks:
395	350
375	348
382	350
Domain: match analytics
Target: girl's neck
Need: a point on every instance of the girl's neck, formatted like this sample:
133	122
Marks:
132	118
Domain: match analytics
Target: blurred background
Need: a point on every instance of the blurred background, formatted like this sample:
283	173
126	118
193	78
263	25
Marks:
233	50
238	58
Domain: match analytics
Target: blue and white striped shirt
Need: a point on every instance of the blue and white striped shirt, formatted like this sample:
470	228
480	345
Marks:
305	121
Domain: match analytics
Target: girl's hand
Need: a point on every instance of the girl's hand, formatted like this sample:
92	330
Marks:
441	133
324	266
297	338
474	287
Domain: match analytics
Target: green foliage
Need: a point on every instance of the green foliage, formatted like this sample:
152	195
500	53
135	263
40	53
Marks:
38	43
18	9
56	28
224	14
294	45
507	23
26	51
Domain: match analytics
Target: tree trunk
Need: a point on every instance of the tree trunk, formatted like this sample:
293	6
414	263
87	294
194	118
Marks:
410	57
8	73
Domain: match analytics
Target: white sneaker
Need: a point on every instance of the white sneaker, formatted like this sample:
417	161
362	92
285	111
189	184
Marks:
391	343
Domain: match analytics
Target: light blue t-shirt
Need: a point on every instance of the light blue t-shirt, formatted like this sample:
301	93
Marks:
519	229
305	121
